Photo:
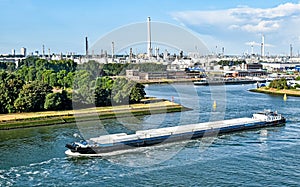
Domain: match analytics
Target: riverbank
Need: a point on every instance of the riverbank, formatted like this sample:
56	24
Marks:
273	91
34	119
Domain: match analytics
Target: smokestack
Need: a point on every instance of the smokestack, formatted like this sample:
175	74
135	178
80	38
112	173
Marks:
223	51
86	46
262	45
13	52
43	50
157	53
291	50
112	50
149	39
130	55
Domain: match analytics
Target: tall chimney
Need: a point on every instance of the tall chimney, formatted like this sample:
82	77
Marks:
130	55
149	49
86	46
43	50
223	51
157	53
112	51
262	45
291	50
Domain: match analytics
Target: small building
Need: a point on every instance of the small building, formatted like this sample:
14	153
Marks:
133	74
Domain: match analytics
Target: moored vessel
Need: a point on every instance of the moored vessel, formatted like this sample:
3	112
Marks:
213	82
107	144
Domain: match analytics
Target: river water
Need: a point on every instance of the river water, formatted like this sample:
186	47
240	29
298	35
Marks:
262	157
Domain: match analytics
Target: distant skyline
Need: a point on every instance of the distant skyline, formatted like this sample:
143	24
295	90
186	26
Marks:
233	24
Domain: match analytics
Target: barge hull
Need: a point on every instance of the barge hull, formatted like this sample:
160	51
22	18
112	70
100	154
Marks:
204	130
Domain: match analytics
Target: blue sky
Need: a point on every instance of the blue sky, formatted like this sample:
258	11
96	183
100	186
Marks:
61	25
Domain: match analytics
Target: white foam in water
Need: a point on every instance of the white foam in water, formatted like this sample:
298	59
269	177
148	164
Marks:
44	162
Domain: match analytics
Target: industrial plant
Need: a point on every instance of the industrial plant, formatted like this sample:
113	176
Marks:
181	64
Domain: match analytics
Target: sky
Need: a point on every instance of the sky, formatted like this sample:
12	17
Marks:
62	25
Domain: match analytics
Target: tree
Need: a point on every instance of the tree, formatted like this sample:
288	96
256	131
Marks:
113	69
84	87
53	80
53	101
137	93
42	64
121	90
69	80
61	78
92	67
46	76
279	84
118	91
147	67
125	91
3	65
104	82
31	75
29	61
103	91
58	101
102	97
32	97
10	86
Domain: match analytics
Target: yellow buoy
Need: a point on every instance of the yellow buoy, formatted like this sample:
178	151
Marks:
284	97
215	105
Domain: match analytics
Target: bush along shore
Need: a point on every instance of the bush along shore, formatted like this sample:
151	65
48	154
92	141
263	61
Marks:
273	91
46	118
280	87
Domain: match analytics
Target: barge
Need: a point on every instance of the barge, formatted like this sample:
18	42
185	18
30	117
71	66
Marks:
207	82
106	144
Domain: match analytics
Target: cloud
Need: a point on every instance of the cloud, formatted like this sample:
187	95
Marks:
235	26
243	18
253	43
262	26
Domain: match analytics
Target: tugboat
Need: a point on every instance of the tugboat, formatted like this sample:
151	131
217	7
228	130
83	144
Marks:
106	144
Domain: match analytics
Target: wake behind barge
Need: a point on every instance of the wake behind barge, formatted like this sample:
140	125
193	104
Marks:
106	144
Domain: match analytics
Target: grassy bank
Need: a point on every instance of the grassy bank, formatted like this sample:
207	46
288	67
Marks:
273	91
33	119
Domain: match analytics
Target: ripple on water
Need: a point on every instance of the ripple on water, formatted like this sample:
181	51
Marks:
267	157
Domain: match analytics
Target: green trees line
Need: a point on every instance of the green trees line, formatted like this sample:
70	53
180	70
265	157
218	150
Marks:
279	84
39	84
60	73
283	84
